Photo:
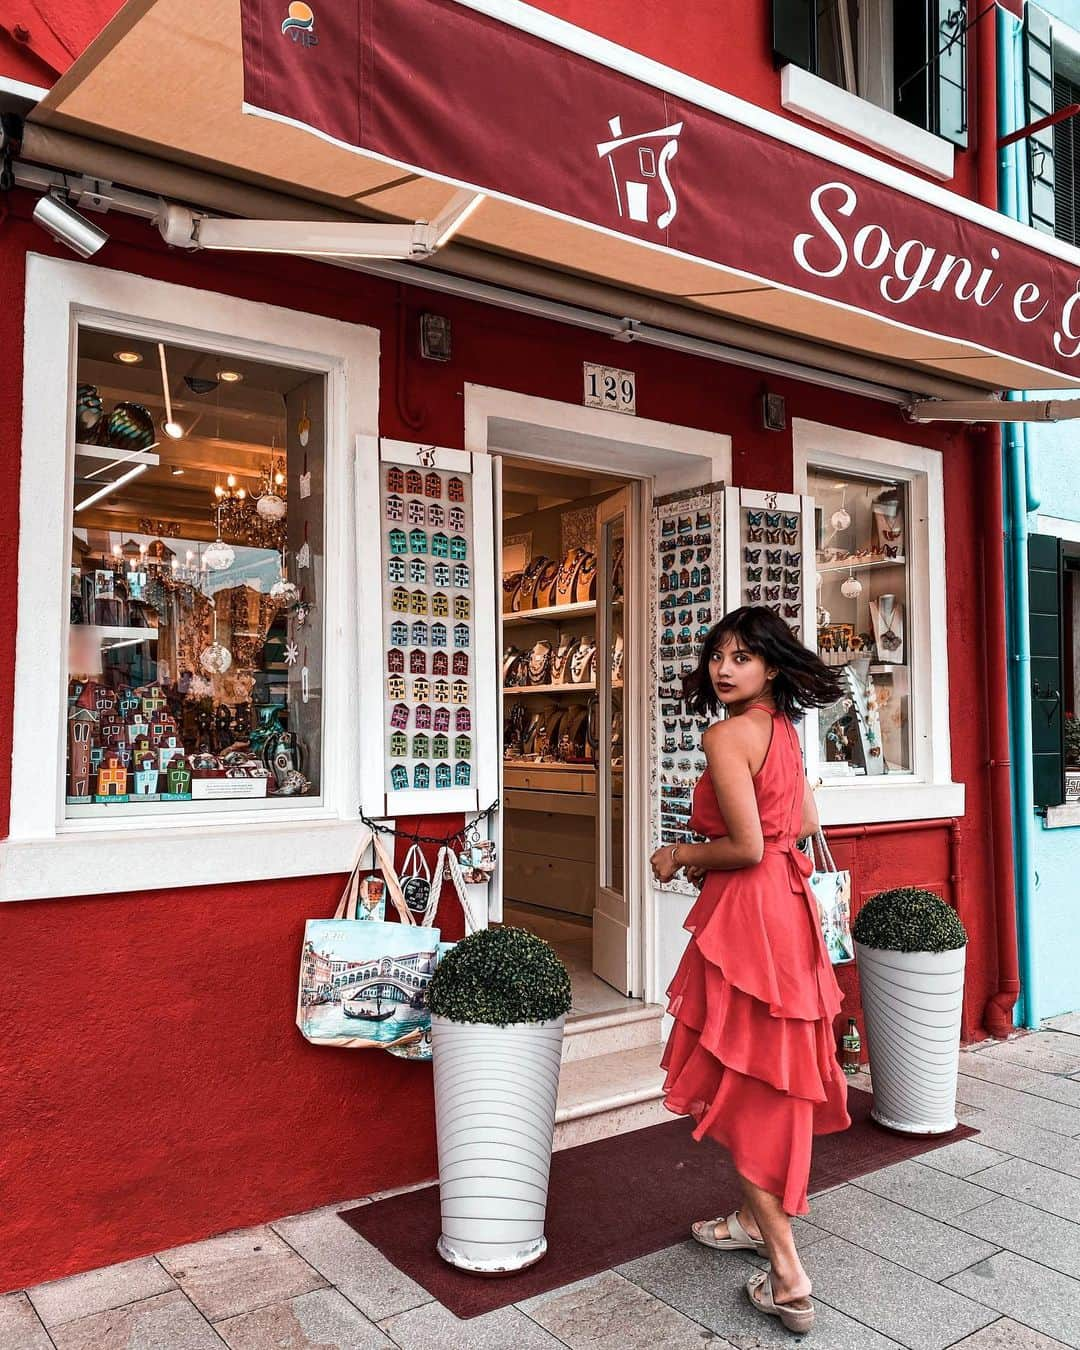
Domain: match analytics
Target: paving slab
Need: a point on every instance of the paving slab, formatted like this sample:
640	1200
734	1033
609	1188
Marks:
1058	1039
1020	1228
924	1189
165	1322
351	1263
321	1320
1021	1139
902	1235
1053	1116
1029	1293
609	1312
20	1326
710	1288
963	1158
1067	1022
433	1327
1005	1334
234	1273
1034	1053
97	1290
1035	1185
1023	1077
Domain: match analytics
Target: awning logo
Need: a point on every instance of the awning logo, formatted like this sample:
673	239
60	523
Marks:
300	24
639	172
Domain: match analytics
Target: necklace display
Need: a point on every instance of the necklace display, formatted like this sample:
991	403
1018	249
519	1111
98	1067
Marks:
560	659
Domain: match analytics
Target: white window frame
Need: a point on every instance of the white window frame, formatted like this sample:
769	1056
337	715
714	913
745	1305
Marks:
47	855
928	792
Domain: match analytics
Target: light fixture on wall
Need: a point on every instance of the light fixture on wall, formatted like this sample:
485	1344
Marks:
169	427
128	358
230	376
67	226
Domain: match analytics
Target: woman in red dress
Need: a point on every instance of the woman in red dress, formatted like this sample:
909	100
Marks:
752	1055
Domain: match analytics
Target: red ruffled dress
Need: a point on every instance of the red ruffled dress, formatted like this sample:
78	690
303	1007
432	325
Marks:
752	1055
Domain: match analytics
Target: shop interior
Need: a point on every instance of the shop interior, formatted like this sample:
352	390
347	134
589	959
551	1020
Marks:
195	643
553	673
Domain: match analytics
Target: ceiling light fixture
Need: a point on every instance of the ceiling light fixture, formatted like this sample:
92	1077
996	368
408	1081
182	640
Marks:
128	358
230	376
169	427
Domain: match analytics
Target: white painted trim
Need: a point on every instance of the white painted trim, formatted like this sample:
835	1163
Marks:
1062	817
610	442
606	53
929	790
219	846
830	106
1058	525
32	93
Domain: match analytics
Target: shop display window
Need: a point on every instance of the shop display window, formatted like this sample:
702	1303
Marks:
861	538
195	647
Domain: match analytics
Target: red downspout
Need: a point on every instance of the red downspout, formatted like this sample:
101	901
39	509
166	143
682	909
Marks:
998	1015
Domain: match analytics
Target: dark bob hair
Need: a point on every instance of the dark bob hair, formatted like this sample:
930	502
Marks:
802	680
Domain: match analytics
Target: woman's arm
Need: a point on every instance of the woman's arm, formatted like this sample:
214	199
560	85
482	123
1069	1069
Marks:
810	821
730	747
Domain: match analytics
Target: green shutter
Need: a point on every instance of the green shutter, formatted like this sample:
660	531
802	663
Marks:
1047	675
794	30
949	39
1039	92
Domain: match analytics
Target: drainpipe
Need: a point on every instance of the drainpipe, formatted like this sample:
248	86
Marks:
1020	498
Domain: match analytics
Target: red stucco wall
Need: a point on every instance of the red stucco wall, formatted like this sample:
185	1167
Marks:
155	1087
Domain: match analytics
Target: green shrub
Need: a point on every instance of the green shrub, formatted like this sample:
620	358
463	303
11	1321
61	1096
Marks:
499	976
909	920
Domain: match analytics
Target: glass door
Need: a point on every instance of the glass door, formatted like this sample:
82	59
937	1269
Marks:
615	691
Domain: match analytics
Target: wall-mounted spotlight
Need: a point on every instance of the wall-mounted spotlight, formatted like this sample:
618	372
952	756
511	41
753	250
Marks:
68	227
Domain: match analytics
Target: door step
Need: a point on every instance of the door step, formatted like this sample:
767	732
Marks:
606	1094
620	1029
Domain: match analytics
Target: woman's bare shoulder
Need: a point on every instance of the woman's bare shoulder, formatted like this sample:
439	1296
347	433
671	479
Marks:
735	734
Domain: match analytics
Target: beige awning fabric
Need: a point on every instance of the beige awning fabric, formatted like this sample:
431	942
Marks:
167	78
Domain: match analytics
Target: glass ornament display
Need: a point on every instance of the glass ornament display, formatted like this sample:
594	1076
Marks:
215	659
219	555
851	587
270	506
840	519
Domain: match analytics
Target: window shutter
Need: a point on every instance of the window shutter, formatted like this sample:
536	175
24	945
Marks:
1047	675
1039	90
794	26
949	73
1066	156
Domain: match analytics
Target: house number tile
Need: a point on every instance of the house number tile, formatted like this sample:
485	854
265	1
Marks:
607	387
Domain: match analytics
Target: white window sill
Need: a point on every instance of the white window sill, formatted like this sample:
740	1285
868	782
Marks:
830	106
109	862
1059	817
863	801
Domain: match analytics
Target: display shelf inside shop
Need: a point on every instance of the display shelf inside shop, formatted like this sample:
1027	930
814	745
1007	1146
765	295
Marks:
118	457
526	689
547	613
860	566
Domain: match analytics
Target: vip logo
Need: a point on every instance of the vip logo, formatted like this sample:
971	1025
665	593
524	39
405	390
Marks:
639	172
300	24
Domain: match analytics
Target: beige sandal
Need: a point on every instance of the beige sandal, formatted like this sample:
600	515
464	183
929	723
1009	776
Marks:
797	1316
738	1239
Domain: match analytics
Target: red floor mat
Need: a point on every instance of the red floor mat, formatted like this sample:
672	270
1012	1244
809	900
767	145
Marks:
595	1220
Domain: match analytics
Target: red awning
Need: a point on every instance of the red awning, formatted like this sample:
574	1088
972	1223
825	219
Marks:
660	184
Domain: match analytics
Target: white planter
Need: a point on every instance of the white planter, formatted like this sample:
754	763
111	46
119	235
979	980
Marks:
912	1002
495	1094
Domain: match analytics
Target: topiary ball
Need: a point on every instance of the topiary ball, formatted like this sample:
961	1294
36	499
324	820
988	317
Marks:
498	976
909	920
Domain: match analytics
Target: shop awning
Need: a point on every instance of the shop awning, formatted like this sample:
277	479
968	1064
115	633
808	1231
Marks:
593	161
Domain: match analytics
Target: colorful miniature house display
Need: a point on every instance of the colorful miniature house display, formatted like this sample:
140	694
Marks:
395	569
399	600
423	716
420	744
399	542
81	726
441	719
400	715
414	481
438	635
459	692
395	660
395	687
417	541
461	663
146	776
178	777
440	605
440	545
463	747
440	664
112	779
433	485
461	635
463	720
152	700
459	549
169	749
421	776
462	774
395	508
455	489
440	745
436	516
399	777
443	776
420	634
440	573
421	690
418	602
399	634
442	690
418	661
395	479
418	570
462	608
456	519
399	745
415	512
461	575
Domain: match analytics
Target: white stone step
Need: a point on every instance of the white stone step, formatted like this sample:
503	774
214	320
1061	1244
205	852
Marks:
602	1095
604	1033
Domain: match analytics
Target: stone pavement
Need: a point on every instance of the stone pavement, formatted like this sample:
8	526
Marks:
975	1246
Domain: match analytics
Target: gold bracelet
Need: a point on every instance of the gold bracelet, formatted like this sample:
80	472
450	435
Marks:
674	860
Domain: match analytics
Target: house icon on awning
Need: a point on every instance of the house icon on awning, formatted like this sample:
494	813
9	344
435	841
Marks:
638	165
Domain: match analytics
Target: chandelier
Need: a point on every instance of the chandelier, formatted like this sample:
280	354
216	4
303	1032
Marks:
257	518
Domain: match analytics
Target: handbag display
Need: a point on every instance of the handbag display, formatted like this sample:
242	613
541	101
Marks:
363	981
832	891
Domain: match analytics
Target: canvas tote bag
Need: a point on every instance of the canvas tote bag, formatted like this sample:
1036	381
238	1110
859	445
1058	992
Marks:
446	867
363	981
832	891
